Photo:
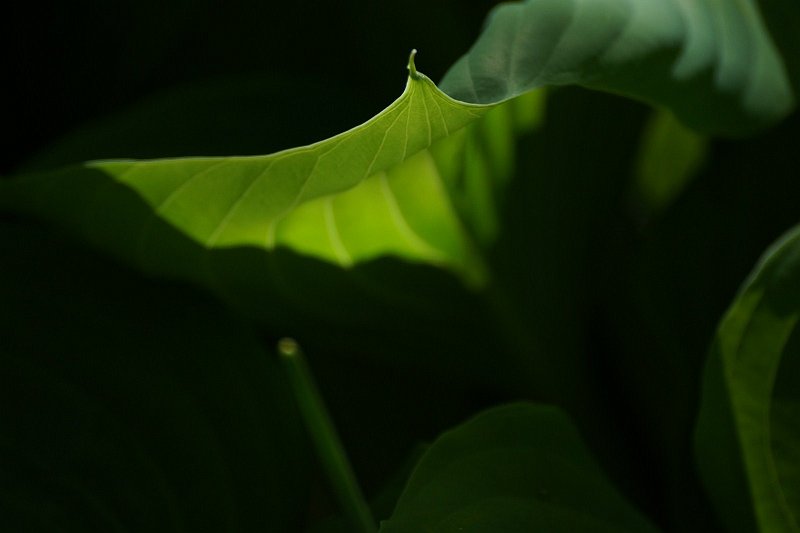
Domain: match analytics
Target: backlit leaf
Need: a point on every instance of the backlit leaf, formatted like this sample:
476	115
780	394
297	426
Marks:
375	190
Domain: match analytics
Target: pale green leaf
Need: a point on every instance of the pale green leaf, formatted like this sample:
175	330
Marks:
314	199
747	441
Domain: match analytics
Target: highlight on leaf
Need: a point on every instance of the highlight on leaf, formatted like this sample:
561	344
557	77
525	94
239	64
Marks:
380	190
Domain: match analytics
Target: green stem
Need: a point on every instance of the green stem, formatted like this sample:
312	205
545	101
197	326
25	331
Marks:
326	441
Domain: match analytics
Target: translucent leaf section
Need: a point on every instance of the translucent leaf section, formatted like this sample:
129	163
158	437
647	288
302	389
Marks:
315	199
404	211
747	441
253	196
373	191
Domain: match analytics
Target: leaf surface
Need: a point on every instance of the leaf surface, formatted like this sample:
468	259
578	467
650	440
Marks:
520	467
747	440
712	62
313	199
375	190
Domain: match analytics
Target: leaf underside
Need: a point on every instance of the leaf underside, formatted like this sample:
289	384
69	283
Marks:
380	189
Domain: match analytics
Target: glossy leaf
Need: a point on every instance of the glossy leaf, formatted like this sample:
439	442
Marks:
520	467
747	440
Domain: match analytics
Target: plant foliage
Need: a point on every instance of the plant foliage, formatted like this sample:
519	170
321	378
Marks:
498	236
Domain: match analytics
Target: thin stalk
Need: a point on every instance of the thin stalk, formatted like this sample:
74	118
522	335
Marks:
326	441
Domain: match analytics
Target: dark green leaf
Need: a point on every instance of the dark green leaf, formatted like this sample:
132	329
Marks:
517	468
747	440
712	62
130	405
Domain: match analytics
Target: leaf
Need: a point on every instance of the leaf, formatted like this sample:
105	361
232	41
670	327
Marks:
747	441
669	157
711	62
520	467
478	162
302	199
130	405
374	190
665	286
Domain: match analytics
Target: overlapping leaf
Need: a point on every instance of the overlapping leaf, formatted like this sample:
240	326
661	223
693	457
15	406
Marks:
748	444
712	63
374	190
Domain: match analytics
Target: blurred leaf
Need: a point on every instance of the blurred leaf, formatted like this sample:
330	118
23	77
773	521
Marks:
711	62
669	156
783	18
663	286
133	405
477	163
557	222
747	440
520	467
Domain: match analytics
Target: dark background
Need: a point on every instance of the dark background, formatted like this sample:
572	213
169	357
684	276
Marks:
67	64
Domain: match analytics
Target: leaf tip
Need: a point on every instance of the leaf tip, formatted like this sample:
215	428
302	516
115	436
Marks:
412	68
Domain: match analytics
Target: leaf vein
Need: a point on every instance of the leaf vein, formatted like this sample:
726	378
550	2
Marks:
342	255
405	229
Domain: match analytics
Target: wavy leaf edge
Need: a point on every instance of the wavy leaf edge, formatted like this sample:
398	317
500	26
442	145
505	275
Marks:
695	58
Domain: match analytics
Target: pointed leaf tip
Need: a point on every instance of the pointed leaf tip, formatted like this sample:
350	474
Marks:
412	68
